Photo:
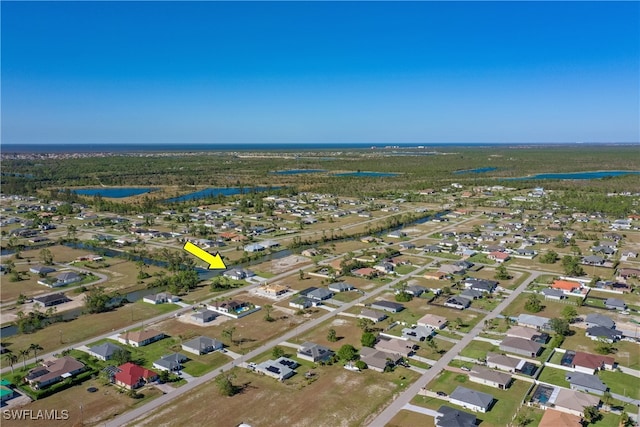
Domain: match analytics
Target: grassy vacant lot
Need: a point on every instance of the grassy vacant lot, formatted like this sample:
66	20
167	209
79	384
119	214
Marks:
87	326
620	383
346	329
100	406
406	418
478	349
506	405
333	397
554	376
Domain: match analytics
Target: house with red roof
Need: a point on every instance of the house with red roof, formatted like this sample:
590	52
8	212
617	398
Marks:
132	376
591	363
566	286
499	257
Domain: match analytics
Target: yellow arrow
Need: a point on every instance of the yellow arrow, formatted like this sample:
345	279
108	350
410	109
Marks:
215	261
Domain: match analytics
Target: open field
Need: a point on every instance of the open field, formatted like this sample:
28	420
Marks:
64	334
86	408
406	418
333	397
627	354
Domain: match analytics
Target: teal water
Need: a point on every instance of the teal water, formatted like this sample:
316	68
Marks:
478	170
579	175
114	192
215	191
298	171
367	174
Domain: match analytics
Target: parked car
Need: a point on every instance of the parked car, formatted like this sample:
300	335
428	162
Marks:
441	393
464	368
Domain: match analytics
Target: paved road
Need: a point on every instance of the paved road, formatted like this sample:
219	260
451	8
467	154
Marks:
163	400
385	416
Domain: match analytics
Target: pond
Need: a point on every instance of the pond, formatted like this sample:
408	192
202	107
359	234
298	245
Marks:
112	192
579	175
298	171
359	174
477	170
215	191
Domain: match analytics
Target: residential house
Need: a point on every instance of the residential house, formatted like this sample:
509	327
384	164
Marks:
390	306
528	334
521	346
591	363
340	287
433	321
471	294
458	302
553	294
301	303
595	319
533	321
573	402
406	246
104	351
320	294
415	290
481	285
254	247
597	333
553	418
378	360
42	270
418	333
53	371
140	338
482	375
313	352
580	381
160	298
170	362
450	269
365	272
61	279
202	345
567	286
615	304
451	417
132	376
373	315
394	345
471	399
593	260
51	300
204	316
280	369
238	274
499	257
503	362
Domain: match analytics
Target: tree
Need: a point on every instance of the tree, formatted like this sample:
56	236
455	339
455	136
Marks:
47	256
523	418
624	419
571	265
35	348
604	347
368	339
502	273
607	398
361	365
458	322
72	232
569	313
121	356
332	336
403	296
365	324
11	359
533	304
268	308
228	333
24	354
347	353
591	414
96	300
560	326
277	352
301	274
225	385
549	258
433	345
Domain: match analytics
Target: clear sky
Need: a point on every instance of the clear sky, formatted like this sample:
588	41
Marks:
274	72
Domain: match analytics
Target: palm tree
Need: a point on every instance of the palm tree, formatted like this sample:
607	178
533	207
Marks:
11	359
24	354
35	348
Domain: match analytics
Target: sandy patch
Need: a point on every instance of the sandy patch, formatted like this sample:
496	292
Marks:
186	318
286	263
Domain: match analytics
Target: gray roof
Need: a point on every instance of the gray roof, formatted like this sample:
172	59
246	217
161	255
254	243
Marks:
105	350
601	331
171	361
203	343
387	304
530	319
316	351
320	294
451	417
586	380
471	293
68	275
340	287
600	320
472	397
550	292
615	302
520	344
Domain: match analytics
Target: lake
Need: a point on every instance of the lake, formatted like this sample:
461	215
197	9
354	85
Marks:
215	191
298	171
112	192
367	174
478	170
579	175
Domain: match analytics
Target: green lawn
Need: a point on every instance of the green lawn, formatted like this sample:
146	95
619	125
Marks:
478	350
554	376
405	269
620	383
607	420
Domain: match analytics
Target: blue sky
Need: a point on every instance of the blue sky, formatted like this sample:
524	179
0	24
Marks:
299	72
